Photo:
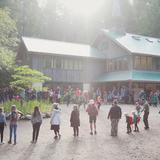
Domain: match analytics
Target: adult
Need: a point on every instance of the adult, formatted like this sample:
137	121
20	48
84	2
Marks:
146	114
55	120
2	124
36	121
75	121
114	115
92	112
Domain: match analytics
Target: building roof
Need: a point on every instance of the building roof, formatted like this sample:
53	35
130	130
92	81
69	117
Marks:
135	43
35	45
149	76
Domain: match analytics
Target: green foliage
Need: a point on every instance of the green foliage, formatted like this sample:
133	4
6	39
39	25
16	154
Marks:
27	107
8	30
24	77
8	43
55	21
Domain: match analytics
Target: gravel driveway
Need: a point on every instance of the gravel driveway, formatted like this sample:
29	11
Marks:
144	145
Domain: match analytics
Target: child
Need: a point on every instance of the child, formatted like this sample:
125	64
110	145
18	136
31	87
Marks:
138	108
36	120
129	123
2	124
13	124
92	112
75	121
55	120
136	120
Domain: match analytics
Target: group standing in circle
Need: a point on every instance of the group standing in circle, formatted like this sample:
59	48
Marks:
115	114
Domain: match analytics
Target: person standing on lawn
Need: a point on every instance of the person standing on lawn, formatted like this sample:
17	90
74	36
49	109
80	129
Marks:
13	124
75	121
36	120
2	124
93	113
114	115
55	120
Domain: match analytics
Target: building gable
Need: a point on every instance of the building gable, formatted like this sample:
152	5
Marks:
133	43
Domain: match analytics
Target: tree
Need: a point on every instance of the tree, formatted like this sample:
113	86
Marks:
8	43
24	77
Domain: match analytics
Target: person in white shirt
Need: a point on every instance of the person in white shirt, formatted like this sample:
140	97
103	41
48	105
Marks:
55	120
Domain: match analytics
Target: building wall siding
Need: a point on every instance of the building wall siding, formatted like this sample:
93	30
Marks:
91	68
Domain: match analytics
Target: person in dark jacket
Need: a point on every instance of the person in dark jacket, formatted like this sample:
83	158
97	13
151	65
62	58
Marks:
75	121
146	114
36	120
114	115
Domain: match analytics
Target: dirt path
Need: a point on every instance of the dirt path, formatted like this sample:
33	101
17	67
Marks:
137	146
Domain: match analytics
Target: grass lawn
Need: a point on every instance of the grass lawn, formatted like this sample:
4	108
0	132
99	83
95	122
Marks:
27	107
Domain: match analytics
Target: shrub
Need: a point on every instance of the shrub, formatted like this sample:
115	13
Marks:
27	107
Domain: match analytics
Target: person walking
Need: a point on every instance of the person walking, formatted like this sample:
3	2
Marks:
75	121
93	113
13	124
145	116
114	115
2	124
36	120
55	120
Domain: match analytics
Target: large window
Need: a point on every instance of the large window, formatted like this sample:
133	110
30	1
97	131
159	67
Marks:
62	63
143	62
156	63
47	63
118	64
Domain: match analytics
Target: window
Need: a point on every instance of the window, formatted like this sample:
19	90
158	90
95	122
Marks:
48	63
137	62
117	64
125	60
70	64
80	65
157	63
62	63
149	63
76	65
65	64
53	62
143	62
58	62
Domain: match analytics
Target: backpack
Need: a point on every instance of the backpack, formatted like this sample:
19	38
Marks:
92	111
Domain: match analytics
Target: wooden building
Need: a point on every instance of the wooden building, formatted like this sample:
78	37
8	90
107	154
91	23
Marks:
115	58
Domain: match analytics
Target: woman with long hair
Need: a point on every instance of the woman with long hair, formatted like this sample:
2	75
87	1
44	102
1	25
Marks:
36	120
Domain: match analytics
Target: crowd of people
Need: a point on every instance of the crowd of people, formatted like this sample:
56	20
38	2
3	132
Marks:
68	95
91	100
6	93
92	109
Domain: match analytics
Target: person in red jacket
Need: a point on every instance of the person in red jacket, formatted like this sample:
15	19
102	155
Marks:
92	112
